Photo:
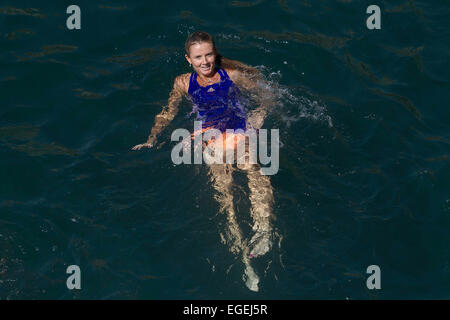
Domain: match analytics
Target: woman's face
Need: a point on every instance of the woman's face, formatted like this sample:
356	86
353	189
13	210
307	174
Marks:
202	56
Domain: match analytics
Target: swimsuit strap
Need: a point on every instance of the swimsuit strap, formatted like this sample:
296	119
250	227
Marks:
193	78
219	71
193	85
223	74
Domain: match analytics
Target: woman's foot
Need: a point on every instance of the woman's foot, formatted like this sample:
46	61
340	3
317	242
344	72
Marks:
250	278
260	243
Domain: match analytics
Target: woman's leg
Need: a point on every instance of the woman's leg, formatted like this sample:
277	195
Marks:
261	199
221	179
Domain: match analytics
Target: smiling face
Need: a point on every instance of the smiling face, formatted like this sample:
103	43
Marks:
202	56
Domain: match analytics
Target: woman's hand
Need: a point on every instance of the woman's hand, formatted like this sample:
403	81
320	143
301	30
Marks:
143	145
150	143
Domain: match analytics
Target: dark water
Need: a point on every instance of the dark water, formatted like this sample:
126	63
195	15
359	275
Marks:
364	168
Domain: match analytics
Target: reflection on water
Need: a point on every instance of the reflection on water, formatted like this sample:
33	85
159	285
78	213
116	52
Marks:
245	4
87	95
405	102
47	50
320	40
364	70
33	12
138	57
18	34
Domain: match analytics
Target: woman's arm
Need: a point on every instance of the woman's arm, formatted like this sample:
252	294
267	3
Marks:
251	80
168	113
235	65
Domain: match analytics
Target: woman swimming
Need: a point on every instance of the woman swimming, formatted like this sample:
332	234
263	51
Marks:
214	88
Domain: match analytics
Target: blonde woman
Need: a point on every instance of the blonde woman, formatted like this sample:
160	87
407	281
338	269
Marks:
214	88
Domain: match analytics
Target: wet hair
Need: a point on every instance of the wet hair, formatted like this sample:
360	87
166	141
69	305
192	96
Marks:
199	37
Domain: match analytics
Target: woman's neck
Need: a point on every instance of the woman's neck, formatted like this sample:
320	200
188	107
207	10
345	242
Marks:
210	78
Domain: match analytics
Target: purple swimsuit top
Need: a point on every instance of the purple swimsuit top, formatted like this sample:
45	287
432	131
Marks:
217	105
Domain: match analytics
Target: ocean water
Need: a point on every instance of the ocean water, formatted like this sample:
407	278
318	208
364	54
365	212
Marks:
364	175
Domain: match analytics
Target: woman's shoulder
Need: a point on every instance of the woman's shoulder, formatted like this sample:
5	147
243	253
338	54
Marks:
236	68
231	72
182	81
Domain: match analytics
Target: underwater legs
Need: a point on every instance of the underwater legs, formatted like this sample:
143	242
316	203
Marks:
221	178
261	199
